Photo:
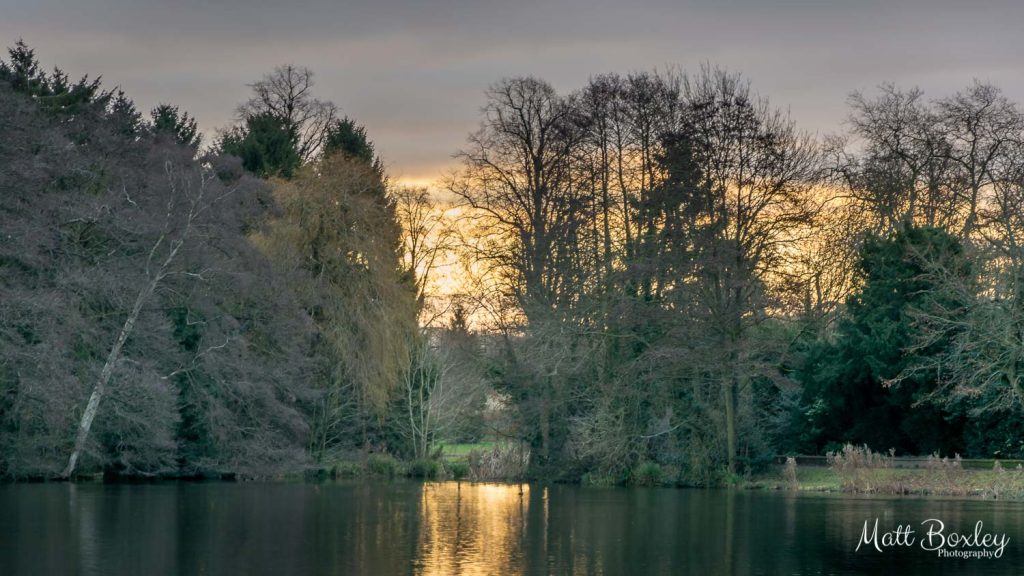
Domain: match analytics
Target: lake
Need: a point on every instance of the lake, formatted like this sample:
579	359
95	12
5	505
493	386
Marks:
447	528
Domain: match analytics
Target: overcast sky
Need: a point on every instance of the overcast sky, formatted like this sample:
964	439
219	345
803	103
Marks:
413	72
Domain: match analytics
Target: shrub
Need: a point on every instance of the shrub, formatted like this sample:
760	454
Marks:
346	469
789	473
458	470
503	462
382	465
853	465
646	474
599	479
425	469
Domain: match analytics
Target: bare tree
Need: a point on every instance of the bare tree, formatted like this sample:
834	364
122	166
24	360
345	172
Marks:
428	242
901	171
518	177
443	387
287	94
757	172
929	163
979	125
976	348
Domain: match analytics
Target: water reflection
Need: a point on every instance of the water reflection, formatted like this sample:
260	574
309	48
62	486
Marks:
472	529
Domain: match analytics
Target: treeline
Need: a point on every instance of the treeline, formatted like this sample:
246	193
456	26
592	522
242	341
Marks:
169	310
660	278
687	284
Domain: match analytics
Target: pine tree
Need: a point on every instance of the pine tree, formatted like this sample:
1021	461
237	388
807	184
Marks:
265	145
167	120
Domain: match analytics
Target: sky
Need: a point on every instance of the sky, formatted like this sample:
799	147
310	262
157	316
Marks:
414	72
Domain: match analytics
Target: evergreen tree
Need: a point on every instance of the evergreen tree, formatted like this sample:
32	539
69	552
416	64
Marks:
349	138
265	145
850	393
56	92
23	70
123	115
167	120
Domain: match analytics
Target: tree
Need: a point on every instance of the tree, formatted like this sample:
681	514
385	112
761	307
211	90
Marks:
167	121
517	177
338	238
348	138
519	184
428	239
928	163
755	174
287	95
54	92
185	201
979	126
124	116
869	385
976	346
443	389
901	177
23	70
266	146
194	365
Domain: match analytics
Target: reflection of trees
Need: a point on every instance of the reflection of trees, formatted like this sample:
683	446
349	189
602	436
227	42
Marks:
448	528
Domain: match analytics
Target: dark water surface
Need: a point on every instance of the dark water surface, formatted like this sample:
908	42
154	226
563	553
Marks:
444	528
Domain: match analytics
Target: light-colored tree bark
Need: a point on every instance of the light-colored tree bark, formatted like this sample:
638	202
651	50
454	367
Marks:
181	196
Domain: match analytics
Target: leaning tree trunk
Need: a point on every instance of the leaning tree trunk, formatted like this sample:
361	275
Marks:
153	280
108	369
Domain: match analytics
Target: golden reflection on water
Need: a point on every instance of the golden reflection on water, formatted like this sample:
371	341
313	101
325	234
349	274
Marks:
472	529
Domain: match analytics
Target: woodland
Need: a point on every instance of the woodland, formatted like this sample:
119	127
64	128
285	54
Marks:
659	270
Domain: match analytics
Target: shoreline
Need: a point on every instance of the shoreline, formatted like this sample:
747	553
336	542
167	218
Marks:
973	484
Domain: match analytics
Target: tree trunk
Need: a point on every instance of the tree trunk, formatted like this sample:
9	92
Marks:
541	456
730	422
108	369
154	278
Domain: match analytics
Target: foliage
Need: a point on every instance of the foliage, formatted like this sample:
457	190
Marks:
424	469
850	393
337	239
167	120
646	474
265	144
663	279
349	139
212	378
382	465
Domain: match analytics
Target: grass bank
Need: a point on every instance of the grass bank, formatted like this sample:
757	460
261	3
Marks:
858	470
853	470
484	461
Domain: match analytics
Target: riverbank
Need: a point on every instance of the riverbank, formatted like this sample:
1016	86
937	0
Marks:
481	462
949	480
852	470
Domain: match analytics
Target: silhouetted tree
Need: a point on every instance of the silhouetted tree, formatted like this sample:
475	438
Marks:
265	144
166	120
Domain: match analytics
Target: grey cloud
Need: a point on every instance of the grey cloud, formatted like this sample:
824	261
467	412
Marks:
414	71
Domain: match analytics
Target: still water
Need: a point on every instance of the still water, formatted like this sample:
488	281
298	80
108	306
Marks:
446	528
